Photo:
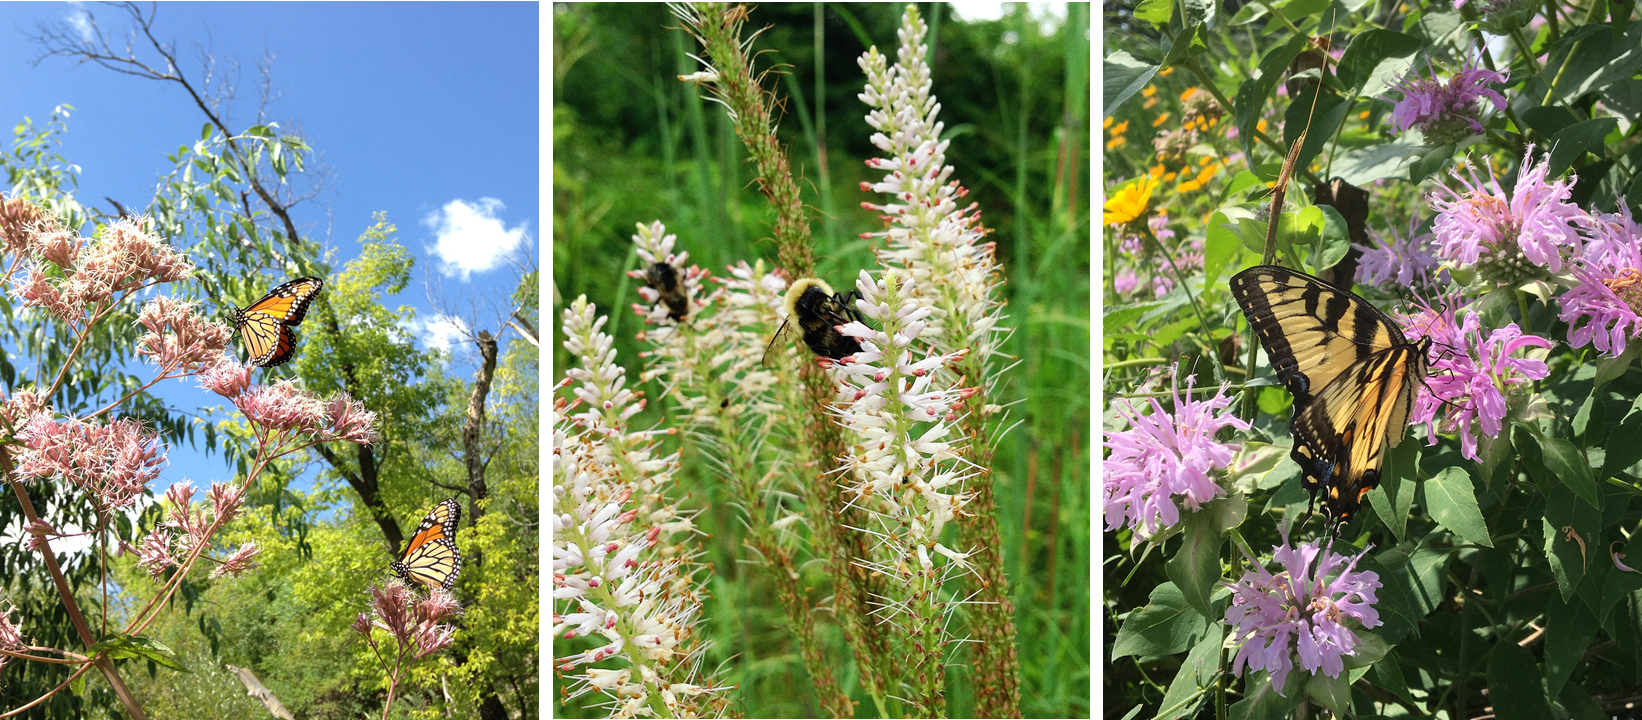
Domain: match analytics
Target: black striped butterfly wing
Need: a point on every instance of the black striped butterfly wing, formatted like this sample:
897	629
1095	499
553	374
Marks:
1352	373
431	557
265	325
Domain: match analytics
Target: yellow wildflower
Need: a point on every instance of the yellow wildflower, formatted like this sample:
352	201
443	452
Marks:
1149	104
1160	120
1116	142
1149	91
1260	126
1107	123
1120	128
1156	171
1362	115
1187	93
1208	172
1206	160
1129	202
1165	72
1169	176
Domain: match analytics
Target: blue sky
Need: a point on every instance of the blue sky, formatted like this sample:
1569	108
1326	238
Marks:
427	111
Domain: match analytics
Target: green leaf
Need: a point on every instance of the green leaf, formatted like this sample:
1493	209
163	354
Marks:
1252	94
1572	562
1388	674
205	131
79	684
1370	649
1333	692
1195	567
1375	55
1274	400
1156	12
1253	233
1571	142
1569	629
1624	442
1187	45
1165	626
1364	165
1336	239
1609	369
1547	120
1620	583
1221	246
1121	77
1119	318
1261	701
1300	228
1452	500
1319	123
1395	495
1243	180
1513	685
1567	464
1200	669
133	647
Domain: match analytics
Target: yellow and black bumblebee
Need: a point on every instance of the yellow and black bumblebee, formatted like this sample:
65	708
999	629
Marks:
663	278
819	312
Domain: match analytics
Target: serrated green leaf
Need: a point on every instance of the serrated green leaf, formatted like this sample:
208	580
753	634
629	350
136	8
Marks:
1452	500
1567	464
1165	626
1195	567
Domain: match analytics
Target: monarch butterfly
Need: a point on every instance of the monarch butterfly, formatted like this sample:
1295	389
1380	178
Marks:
431	558
1350	369
265	326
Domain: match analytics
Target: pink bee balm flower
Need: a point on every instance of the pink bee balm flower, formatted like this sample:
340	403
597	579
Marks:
1162	455
1505	236
1446	112
1471	380
1603	309
1401	259
1297	610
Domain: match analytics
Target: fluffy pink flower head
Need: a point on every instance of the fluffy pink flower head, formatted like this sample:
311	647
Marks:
1165	454
113	461
227	378
1299	609
283	406
415	623
1446	112
1398	261
348	420
123	258
154	555
243	560
1508	238
1471	378
179	340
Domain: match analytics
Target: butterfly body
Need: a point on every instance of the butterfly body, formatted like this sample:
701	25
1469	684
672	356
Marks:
431	557
1352	372
265	325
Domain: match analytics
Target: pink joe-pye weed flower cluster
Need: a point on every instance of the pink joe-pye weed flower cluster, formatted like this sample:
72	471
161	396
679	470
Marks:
1509	237
418	625
112	462
85	276
1164	455
1472	381
180	341
188	528
11	636
1300	611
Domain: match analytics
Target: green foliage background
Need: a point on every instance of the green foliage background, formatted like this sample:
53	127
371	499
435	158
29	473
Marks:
632	144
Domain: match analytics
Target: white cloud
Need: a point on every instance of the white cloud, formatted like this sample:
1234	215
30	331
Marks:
441	333
471	238
80	20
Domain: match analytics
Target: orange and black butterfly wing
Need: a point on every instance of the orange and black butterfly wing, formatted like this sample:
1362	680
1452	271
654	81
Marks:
264	326
431	557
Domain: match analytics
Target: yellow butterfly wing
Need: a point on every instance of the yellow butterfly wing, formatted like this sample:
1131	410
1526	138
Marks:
1350	369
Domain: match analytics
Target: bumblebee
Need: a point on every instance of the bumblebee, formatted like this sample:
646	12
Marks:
819	312
663	278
